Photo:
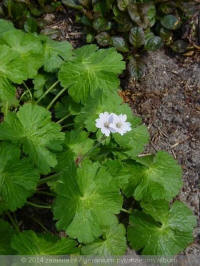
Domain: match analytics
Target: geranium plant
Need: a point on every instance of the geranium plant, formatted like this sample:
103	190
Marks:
67	135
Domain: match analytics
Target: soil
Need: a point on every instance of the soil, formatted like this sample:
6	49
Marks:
168	100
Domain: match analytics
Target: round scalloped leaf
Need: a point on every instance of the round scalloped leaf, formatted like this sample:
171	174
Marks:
30	243
5	25
133	142
11	66
170	236
113	242
81	200
6	232
28	50
18	178
120	171
55	53
7	92
32	127
159	179
91	69
78	142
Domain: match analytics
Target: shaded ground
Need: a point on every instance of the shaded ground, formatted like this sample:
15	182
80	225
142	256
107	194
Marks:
62	27
168	100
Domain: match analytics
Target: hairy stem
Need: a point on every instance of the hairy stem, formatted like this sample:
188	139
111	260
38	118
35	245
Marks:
45	193
56	97
126	211
47	91
48	178
38	205
62	119
27	88
40	224
68	125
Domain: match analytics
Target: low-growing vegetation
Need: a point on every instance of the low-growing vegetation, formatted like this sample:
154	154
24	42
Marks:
134	27
67	135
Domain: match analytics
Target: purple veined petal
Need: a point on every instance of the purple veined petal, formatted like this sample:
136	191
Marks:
111	118
99	124
104	115
105	131
112	129
124	117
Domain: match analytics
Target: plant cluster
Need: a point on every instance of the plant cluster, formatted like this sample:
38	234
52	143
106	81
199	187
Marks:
56	102
26	14
134	26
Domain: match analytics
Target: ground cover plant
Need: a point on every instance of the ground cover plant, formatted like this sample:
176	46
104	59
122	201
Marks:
67	136
136	26
26	14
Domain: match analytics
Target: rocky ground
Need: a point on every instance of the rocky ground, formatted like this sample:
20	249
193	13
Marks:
168	99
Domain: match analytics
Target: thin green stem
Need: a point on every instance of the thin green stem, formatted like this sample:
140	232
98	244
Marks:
28	90
15	225
68	125
9	9
47	91
38	205
56	97
62	119
23	94
126	211
45	193
46	179
38	222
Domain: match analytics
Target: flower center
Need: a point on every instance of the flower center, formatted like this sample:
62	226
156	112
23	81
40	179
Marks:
106	124
118	125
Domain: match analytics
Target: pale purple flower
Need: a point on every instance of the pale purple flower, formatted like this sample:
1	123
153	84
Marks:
104	121
120	125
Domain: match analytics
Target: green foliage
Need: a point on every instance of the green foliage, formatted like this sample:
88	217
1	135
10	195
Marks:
50	146
170	22
27	53
82	197
30	243
113	242
32	128
6	234
90	69
54	53
18	178
137	23
78	142
160	178
26	14
136	37
159	231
